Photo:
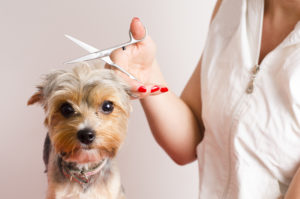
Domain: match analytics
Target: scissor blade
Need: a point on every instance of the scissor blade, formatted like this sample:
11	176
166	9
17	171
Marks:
83	45
110	62
85	58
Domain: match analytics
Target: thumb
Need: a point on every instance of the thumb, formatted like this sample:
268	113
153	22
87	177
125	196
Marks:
137	28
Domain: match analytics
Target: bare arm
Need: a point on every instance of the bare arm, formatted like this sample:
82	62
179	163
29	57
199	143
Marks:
294	188
175	121
173	125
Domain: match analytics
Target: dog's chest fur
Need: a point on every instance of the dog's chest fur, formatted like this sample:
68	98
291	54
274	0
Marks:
106	186
96	191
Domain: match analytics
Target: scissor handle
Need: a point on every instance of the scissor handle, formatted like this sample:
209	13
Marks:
132	39
130	42
110	62
105	54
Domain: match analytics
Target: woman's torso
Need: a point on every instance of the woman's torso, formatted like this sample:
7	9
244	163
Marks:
250	148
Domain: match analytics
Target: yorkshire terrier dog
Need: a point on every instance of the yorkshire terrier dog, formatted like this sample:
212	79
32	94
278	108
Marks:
87	112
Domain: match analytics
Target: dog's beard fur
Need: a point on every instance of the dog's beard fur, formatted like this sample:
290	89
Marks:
85	88
110	128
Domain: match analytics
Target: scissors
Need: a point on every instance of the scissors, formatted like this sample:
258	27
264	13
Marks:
104	54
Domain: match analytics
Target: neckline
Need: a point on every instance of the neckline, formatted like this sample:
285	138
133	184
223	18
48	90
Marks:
260	33
292	38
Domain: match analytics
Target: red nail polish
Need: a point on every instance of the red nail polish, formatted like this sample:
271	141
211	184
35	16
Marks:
154	89
142	89
164	89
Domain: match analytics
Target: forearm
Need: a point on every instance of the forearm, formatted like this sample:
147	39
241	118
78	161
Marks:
174	121
294	188
173	125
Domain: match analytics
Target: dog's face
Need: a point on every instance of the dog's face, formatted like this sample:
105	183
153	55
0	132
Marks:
86	112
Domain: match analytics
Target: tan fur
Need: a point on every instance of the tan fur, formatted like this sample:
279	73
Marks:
85	88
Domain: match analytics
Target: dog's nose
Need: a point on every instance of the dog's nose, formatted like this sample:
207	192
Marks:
86	136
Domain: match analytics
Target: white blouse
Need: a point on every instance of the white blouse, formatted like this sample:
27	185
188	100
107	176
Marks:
251	147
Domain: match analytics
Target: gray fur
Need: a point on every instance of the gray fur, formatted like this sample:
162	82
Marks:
82	79
57	174
46	151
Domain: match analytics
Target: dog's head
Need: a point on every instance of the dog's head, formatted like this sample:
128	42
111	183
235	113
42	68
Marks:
87	111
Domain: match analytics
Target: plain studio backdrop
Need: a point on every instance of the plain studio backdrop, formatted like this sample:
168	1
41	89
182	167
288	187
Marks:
32	43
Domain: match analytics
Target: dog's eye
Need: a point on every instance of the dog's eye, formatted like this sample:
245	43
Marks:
67	110
107	107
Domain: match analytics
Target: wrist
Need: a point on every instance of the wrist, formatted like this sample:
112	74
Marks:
156	76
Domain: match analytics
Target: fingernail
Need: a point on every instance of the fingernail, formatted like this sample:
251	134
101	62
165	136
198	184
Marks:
164	89
154	89
136	18
142	89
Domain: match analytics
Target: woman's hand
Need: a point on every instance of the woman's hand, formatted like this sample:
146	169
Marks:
139	60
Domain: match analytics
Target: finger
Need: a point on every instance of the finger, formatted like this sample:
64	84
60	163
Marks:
141	91
120	57
137	28
138	32
158	89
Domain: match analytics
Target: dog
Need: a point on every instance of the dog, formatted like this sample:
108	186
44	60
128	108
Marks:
87	111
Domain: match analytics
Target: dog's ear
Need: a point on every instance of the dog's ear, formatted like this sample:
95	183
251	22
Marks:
36	97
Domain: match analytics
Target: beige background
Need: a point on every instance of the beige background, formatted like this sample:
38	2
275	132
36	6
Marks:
32	44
